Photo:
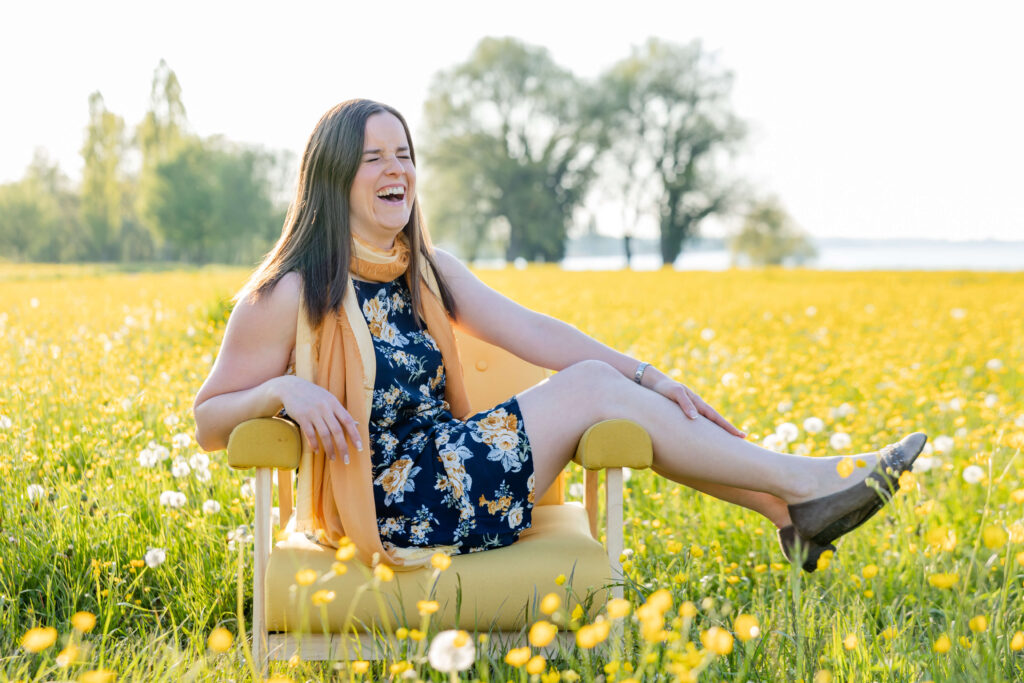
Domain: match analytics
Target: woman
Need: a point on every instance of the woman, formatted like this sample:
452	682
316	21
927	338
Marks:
354	258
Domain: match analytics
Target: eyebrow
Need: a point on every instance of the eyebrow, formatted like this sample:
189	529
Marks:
378	151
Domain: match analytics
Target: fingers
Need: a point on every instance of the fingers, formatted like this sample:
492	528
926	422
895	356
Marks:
713	415
685	401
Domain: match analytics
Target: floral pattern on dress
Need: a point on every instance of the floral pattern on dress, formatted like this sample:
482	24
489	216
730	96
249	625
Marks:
438	480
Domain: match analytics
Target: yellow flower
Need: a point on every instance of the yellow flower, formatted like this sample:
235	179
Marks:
305	577
907	481
220	639
577	612
716	639
278	678
696	551
845	467
660	600
560	579
416	634
440	561
890	633
688	610
322	597
339	568
942	644
978	624
400	667
994	537
401	633
535	665
426	607
549	603
746	627
1020	558
97	676
941	537
965	642
824	559
850	641
618	608
38	639
83	621
869	571
542	633
943	580
1017	496
383	572
517	656
823	676
360	666
346	551
591	635
68	656
1018	641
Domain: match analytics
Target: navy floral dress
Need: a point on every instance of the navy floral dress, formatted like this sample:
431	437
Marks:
438	480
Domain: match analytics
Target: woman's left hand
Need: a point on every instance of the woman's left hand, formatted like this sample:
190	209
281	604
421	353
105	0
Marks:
692	404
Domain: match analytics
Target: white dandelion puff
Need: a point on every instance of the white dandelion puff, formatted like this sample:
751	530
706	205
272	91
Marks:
813	425
943	444
994	364
211	507
840	441
155	557
784	406
173	499
35	492
199	461
171	421
958	313
5	422
576	490
248	488
181	440
707	334
788	431
451	651
991	400
729	379
202	474
924	464
774	442
180	468
973	474
147	458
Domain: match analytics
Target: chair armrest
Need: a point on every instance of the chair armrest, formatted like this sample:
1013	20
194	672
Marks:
265	442
615	443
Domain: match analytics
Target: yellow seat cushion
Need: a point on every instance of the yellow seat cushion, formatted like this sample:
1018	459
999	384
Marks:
500	589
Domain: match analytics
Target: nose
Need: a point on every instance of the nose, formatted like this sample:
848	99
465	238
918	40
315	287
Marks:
394	166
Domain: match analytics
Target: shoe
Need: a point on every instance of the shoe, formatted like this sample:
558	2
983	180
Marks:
825	519
796	548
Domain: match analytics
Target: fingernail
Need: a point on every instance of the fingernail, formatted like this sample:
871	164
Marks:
693	416
359	445
346	458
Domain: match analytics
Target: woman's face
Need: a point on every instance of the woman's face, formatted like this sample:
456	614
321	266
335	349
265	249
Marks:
385	184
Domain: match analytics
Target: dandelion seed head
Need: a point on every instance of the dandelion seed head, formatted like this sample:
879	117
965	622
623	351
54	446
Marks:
155	557
840	441
813	425
451	651
973	474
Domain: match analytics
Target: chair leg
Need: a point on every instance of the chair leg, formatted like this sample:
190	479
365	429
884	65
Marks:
261	556
613	525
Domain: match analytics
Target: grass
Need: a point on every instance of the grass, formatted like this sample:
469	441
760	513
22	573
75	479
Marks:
99	366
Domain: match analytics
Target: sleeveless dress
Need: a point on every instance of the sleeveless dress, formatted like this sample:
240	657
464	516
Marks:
437	480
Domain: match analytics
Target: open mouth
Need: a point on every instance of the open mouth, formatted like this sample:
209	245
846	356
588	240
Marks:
394	194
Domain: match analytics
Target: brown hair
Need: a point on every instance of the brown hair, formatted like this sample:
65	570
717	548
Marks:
316	240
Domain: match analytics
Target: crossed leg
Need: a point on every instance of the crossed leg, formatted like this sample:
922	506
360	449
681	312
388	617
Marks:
694	452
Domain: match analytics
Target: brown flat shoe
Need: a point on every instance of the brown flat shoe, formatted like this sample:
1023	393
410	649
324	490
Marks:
798	549
825	519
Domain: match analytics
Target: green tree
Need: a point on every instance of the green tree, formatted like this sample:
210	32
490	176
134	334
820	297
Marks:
103	182
509	150
212	202
668	119
38	215
770	238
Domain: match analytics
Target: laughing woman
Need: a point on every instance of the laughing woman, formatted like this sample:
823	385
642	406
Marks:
355	260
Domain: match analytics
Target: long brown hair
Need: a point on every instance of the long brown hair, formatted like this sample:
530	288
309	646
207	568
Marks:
316	240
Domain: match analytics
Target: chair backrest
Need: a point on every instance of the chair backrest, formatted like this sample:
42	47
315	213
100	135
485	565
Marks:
493	375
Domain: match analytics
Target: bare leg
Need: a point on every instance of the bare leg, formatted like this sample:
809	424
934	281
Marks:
557	412
765	504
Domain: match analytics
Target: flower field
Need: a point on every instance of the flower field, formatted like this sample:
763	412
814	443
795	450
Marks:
120	541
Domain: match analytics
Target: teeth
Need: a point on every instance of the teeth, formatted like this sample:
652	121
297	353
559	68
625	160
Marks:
388	191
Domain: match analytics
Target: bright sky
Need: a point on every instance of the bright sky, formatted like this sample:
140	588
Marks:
869	119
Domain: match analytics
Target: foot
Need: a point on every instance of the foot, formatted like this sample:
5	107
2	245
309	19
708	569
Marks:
799	550
827	517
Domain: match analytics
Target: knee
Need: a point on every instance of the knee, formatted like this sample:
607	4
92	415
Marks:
593	374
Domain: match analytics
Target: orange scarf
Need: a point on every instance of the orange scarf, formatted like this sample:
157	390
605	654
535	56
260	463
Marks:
342	502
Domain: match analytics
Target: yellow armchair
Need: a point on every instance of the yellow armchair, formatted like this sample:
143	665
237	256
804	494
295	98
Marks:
493	591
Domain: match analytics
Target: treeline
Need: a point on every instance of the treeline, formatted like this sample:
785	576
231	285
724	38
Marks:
156	192
513	148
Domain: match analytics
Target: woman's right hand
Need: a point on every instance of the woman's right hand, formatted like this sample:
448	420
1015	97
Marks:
324	422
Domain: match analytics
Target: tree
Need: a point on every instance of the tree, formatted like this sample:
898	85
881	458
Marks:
38	215
769	237
103	184
510	147
666	111
212	202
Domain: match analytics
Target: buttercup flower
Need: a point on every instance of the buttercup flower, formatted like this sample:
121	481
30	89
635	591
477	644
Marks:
38	639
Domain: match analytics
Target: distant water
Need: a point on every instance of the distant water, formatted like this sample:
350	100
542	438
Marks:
994	256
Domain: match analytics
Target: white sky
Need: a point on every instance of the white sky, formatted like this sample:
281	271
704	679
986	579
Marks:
869	119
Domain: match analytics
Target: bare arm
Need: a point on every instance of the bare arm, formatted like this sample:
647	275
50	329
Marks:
549	342
248	380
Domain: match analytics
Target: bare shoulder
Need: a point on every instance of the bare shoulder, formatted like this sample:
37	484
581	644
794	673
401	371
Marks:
275	309
450	266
